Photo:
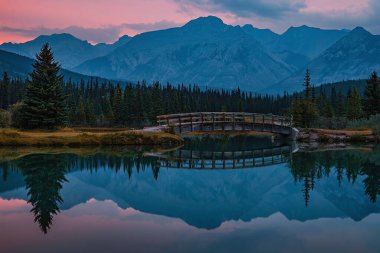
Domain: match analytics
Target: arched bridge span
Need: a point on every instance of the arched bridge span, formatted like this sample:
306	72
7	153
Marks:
227	121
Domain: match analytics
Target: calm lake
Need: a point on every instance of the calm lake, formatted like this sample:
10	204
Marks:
212	195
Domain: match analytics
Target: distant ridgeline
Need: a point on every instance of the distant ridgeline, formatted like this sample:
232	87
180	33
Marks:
18	66
343	87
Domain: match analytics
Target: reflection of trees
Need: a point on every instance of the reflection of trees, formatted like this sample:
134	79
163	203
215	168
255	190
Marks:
4	171
372	180
309	167
44	175
125	164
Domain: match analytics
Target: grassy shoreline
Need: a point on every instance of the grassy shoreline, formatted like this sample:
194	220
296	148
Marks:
335	136
74	138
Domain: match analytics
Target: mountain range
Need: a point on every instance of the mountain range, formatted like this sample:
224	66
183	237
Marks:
68	50
19	66
210	53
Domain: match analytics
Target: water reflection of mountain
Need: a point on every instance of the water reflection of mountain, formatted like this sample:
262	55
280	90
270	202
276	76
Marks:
333	184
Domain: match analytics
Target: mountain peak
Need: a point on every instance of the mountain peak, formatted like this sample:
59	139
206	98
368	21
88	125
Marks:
58	35
360	31
249	26
58	38
202	22
301	28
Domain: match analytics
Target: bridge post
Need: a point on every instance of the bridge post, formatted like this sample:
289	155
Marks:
224	161
234	121
191	159
272	123
202	160
201	121
213	160
180	124
213	121
263	127
224	120
191	122
253	122
243	115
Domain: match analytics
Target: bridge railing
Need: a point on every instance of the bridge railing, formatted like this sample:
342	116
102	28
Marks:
190	159
184	119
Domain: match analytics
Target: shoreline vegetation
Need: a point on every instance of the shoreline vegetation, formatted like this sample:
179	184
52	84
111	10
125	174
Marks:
118	137
15	153
316	135
69	137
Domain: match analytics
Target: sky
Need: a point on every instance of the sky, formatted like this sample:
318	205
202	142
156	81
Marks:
107	20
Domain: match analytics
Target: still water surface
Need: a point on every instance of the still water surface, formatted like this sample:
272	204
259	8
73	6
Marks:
212	195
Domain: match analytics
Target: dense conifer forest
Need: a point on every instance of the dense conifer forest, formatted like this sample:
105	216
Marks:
103	104
98	104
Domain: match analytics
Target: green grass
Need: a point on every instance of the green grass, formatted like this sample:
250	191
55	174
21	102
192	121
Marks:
9	137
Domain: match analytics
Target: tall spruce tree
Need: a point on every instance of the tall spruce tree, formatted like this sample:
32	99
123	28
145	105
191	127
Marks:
117	105
44	101
5	92
371	100
307	84
307	112
354	105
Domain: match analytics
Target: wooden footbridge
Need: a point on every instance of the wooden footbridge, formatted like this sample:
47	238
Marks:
227	121
205	160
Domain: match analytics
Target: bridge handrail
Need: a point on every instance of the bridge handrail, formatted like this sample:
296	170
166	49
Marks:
180	119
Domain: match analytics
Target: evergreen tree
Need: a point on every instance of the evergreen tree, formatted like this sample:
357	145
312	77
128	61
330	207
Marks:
4	92
81	112
118	106
307	84
340	110
354	106
313	95
327	110
371	100
306	112
44	101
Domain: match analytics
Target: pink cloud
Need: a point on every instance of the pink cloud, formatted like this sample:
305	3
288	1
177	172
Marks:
354	7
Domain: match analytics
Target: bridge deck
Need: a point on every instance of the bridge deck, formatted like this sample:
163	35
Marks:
238	121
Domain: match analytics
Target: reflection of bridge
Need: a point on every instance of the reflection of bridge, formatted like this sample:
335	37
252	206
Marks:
190	159
227	121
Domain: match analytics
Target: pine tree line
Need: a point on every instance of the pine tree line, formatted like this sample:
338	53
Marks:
135	105
334	111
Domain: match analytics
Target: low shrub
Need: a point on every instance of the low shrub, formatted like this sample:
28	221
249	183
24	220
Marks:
372	123
5	118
